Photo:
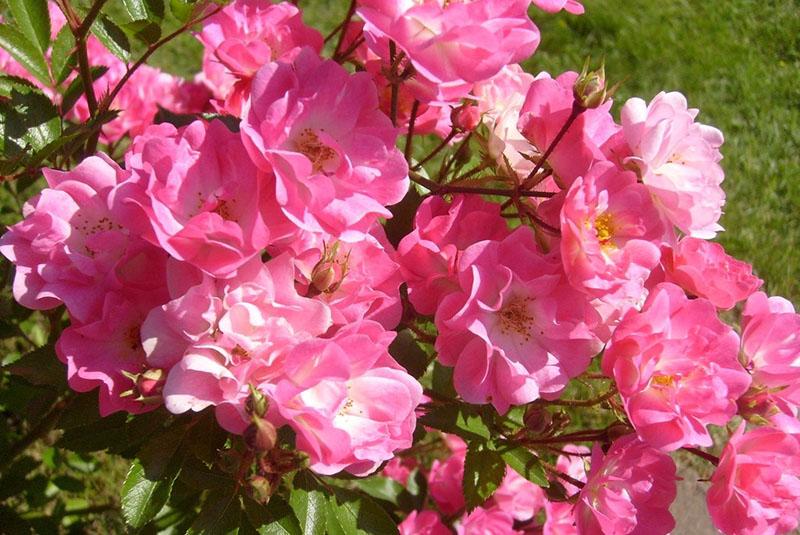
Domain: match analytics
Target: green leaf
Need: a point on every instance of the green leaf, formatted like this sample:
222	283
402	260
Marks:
182	9
275	518
112	37
308	502
220	514
25	52
381	488
470	422
68	483
408	354
62	58
443	380
484	470
28	122
136	9
350	512
33	19
152	10
40	367
526	464
97	434
144	30
75	89
143	497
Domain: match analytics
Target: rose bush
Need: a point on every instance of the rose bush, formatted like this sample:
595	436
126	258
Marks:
392	284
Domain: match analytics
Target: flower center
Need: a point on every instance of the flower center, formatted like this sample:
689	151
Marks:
322	157
663	380
604	228
516	318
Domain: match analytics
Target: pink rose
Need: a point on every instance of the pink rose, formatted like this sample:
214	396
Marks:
554	6
545	111
442	230
515	331
332	151
703	269
628	491
359	280
677	159
243	37
452	44
71	248
756	487
484	521
350	403
677	369
199	194
106	351
610	233
771	346
423	523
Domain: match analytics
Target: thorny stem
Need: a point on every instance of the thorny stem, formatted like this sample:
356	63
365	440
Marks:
577	109
410	136
393	61
713	459
151	49
566	477
436	150
345	25
442	189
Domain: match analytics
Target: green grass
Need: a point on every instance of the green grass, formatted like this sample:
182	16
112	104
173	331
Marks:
737	60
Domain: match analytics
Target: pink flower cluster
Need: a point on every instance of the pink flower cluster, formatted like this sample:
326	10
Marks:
628	489
239	269
246	268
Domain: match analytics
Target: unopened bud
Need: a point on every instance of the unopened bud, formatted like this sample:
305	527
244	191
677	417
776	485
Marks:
465	118
260	435
322	278
537	419
260	489
330	271
590	87
256	404
150	382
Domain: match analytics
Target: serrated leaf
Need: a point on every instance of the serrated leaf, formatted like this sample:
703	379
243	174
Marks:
152	10
143	497
62	58
181	9
350	512
442	380
28	122
308	502
136	9
33	20
144	30
97	434
112	37
484	470
467	421
220	514
75	89
526	464
406	351
25	52
275	518
40	367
